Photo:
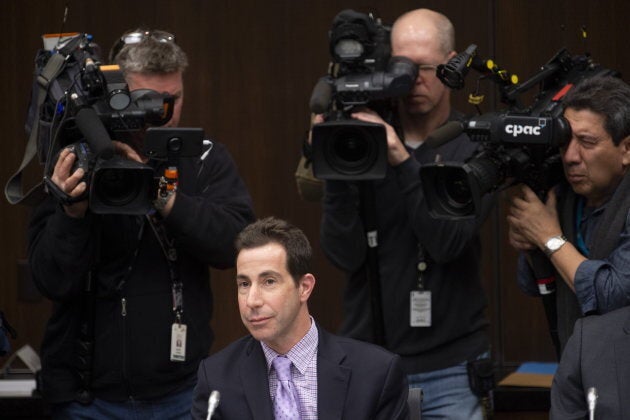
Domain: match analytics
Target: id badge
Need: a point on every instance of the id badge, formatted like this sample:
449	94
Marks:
420	308
178	342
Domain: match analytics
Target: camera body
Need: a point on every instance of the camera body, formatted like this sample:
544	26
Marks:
519	145
362	73
119	186
86	105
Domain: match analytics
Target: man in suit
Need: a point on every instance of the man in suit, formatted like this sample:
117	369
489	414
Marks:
597	355
330	377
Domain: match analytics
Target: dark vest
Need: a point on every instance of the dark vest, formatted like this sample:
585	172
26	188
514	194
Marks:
603	241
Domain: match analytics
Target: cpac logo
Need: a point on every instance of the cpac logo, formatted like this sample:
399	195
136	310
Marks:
516	129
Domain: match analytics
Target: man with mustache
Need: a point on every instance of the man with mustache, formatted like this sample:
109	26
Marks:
583	226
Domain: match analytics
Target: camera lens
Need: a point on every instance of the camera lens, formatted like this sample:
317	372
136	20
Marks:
351	151
454	191
350	148
118	187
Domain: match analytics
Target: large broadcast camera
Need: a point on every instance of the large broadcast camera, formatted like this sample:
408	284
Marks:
362	73
79	104
519	145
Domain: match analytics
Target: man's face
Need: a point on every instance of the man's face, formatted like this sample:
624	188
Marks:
593	165
421	46
272	307
170	83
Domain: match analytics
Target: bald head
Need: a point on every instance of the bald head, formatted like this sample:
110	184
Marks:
420	26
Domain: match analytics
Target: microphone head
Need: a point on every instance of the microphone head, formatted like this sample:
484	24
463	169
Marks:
444	134
215	396
213	403
453	73
321	96
591	398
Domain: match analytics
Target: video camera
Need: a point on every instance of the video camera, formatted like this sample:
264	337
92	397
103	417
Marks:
519	145
79	104
361	73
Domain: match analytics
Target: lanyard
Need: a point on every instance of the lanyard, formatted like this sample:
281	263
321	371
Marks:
579	238
421	267
168	248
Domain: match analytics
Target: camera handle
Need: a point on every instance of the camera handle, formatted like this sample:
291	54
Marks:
59	194
371	265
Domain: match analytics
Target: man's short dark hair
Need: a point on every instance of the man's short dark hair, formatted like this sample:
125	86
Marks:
152	55
607	96
281	232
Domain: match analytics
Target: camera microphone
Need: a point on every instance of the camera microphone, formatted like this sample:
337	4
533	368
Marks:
444	134
95	133
321	96
591	398
453	73
213	403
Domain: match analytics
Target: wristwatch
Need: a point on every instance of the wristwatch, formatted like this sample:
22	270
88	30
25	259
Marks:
553	244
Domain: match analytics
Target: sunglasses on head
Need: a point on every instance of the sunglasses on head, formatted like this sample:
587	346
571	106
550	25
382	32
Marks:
136	37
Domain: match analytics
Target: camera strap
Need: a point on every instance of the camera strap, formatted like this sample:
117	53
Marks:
13	188
178	329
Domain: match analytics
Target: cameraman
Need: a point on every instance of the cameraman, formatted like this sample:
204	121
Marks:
435	353
109	353
584	226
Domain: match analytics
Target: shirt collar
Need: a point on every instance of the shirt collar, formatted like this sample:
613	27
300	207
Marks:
301	354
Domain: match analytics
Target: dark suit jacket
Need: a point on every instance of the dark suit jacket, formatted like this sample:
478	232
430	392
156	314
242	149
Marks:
597	355
356	380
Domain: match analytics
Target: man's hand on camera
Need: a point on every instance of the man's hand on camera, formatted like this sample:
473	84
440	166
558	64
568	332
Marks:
70	184
396	151
532	222
127	152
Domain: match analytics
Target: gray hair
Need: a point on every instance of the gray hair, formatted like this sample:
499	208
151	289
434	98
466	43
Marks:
151	55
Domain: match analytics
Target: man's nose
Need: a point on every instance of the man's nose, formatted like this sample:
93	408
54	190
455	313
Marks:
571	152
254	297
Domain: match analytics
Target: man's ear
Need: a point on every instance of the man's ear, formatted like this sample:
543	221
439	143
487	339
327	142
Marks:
624	146
307	284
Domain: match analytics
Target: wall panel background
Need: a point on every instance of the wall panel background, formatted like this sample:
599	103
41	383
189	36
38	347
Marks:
252	69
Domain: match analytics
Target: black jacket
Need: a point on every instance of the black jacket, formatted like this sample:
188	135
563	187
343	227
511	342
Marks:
132	309
452	249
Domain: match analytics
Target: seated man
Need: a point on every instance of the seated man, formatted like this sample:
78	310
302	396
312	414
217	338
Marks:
323	376
596	361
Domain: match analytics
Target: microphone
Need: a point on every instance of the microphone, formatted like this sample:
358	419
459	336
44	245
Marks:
452	74
321	96
591	398
213	403
95	133
444	134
